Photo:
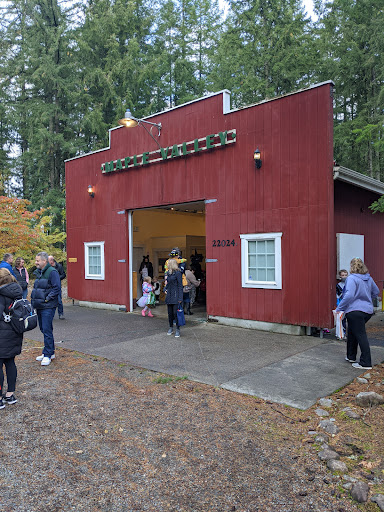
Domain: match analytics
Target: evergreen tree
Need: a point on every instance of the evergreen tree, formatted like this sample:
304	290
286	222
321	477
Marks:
116	64
351	45
265	50
41	85
186	37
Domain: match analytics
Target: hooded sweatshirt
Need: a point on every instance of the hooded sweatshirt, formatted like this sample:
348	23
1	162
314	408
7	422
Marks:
359	291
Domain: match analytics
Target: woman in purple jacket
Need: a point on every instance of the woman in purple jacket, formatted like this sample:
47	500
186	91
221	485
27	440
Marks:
360	289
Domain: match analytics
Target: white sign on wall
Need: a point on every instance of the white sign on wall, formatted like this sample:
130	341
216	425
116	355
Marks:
348	246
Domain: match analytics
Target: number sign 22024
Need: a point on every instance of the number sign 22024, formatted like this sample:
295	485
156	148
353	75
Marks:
223	243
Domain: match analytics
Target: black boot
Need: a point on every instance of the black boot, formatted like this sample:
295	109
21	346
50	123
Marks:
189	312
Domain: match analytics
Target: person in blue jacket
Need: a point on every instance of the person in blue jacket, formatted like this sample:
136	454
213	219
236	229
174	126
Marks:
357	304
7	263
45	299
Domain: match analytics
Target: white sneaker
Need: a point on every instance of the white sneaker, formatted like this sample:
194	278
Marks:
45	361
40	358
358	366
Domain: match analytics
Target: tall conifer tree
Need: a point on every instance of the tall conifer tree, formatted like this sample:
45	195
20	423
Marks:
265	50
351	44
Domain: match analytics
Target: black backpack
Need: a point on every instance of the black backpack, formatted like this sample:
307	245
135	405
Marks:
21	316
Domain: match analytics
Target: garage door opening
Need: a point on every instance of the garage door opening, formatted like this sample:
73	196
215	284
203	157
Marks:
155	232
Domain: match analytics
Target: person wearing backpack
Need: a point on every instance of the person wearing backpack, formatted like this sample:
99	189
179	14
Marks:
45	299
10	341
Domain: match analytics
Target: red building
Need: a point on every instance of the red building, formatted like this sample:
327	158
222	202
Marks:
271	237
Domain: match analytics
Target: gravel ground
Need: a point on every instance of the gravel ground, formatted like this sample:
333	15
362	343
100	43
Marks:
93	435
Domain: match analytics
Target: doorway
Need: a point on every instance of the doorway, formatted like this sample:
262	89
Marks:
155	232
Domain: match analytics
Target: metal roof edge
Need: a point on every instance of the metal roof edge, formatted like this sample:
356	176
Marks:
226	108
314	86
358	179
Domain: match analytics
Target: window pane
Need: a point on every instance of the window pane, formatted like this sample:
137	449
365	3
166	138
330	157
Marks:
271	261
251	247
270	246
94	259
252	261
261	274
261	260
270	274
261	247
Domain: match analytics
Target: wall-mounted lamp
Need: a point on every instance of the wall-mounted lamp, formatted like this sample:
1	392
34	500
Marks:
91	191
130	122
257	158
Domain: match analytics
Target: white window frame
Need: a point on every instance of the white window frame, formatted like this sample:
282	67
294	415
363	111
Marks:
246	282
87	245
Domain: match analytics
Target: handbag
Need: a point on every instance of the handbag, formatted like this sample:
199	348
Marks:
151	301
180	316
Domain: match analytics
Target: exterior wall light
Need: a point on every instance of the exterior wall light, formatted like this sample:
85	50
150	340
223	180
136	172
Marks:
130	121
257	159
91	191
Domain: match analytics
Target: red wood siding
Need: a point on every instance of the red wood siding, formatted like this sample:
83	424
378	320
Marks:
352	215
292	193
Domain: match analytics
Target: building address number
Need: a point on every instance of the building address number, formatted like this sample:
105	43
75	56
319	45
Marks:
223	243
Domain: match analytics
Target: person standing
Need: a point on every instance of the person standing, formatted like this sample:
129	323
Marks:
59	267
193	283
356	302
174	297
10	341
44	299
7	263
22	276
143	301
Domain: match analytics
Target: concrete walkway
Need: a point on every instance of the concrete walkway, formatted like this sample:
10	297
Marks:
294	370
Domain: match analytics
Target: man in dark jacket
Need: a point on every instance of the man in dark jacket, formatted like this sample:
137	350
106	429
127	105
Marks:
7	263
59	267
44	299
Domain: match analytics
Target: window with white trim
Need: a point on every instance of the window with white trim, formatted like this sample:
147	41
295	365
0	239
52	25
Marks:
94	260
261	260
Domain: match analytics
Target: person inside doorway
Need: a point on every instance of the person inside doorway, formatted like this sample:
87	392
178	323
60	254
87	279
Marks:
175	255
193	283
174	294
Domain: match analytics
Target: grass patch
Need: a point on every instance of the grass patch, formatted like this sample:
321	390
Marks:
165	379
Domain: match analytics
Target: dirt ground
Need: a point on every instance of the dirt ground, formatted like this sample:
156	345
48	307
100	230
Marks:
93	435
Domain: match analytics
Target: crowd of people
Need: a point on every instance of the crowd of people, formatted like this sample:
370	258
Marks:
355	295
45	299
180	285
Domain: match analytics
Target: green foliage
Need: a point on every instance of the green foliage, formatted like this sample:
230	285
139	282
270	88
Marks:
350	42
378	206
25	233
68	71
265	50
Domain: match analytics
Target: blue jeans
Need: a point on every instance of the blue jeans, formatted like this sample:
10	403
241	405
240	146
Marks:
45	317
60	308
25	293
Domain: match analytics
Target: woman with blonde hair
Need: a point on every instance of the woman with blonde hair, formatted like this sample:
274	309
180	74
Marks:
174	297
10	341
357	304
